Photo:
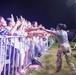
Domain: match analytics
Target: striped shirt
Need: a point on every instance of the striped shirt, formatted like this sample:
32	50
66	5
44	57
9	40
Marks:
4	31
61	36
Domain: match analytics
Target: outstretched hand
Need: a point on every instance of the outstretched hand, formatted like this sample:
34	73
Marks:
42	28
12	17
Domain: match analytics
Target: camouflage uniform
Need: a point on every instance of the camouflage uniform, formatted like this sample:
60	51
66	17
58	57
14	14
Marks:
65	49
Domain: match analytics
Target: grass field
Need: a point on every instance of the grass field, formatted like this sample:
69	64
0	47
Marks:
48	60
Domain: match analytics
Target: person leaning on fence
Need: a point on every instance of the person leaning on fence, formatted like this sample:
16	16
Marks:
5	31
63	48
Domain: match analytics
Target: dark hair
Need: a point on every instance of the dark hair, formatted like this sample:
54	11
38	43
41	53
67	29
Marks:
34	22
9	20
62	26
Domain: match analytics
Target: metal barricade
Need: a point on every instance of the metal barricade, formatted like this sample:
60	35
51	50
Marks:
16	52
12	53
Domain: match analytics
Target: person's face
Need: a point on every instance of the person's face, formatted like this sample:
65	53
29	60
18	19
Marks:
57	28
3	22
10	24
35	25
40	25
29	23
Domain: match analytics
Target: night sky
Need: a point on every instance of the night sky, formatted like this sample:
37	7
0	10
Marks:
46	12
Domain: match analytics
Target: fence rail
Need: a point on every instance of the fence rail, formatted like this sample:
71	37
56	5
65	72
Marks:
17	52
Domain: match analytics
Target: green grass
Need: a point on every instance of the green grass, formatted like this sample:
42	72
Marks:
48	60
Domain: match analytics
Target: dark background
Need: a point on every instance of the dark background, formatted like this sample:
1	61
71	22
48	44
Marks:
46	12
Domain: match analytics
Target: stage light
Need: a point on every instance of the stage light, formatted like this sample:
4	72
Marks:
70	3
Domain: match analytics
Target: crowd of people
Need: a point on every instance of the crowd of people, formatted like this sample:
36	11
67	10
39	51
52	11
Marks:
26	42
31	40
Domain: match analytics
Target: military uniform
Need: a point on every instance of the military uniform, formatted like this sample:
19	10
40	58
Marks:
64	49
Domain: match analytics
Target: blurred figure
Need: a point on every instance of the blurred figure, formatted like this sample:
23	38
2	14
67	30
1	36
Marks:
63	48
35	24
3	31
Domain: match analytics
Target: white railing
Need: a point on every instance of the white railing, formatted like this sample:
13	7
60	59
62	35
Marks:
16	52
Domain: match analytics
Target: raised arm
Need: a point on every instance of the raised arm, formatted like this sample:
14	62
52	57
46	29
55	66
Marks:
49	31
15	27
